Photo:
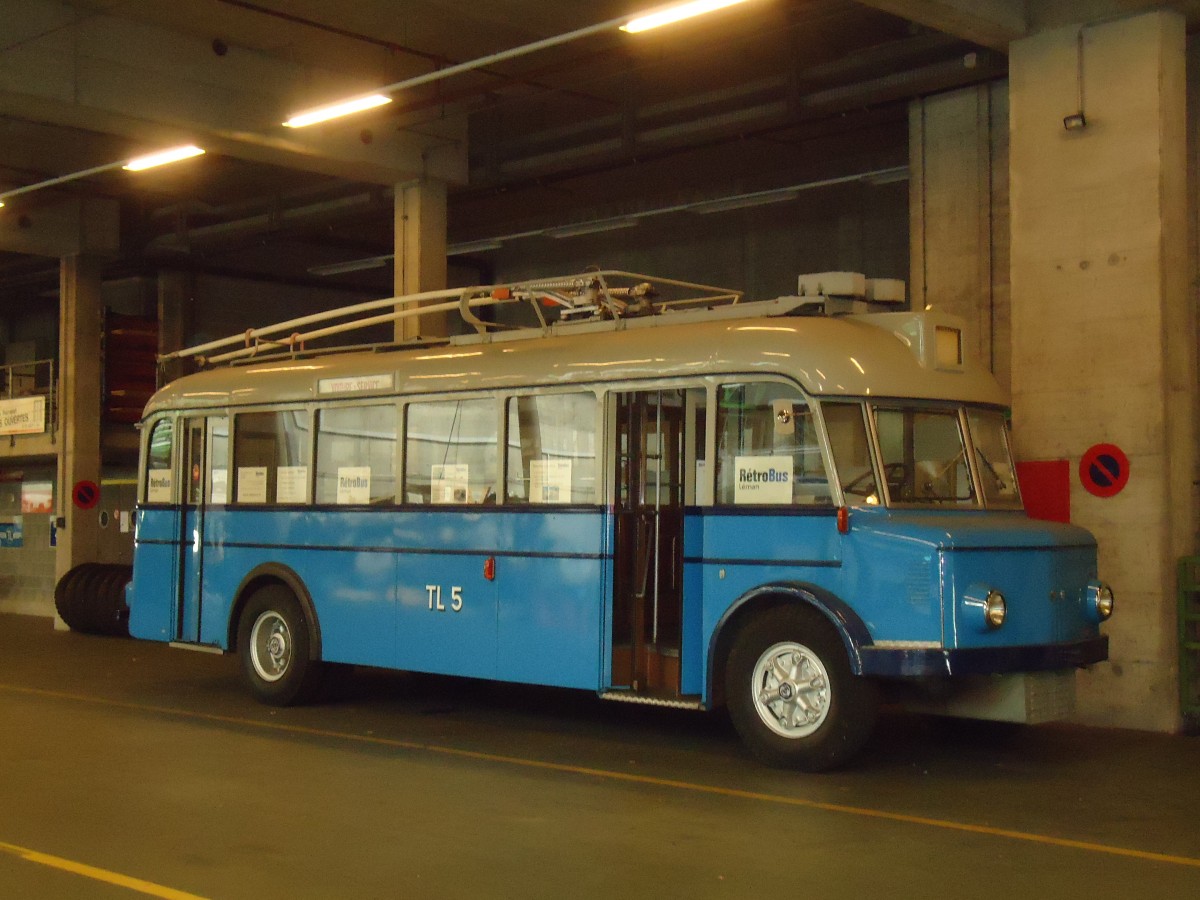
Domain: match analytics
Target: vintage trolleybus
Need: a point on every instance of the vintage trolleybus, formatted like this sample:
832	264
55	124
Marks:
665	495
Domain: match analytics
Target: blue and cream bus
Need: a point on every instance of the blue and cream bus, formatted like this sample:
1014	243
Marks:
788	508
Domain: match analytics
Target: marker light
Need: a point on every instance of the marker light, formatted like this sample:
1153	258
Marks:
161	158
1099	601
995	610
675	14
336	110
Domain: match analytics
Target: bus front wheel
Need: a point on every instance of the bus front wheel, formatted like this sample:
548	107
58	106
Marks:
791	694
273	641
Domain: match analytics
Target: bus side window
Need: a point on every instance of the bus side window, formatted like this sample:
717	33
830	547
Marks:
159	460
356	454
551	452
450	452
270	456
768	449
218	460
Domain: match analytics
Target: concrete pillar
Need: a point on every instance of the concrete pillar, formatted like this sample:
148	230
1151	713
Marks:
420	236
1103	325
176	291
79	406
958	162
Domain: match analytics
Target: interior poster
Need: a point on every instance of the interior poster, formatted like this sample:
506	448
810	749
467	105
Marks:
550	481
220	485
354	484
762	479
450	483
291	484
252	484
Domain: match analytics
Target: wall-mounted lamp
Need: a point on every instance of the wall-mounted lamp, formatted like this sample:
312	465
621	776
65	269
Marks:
1077	121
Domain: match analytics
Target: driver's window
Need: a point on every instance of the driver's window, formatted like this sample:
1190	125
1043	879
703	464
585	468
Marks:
923	456
847	430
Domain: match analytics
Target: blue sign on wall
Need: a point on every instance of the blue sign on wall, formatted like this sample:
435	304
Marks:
12	533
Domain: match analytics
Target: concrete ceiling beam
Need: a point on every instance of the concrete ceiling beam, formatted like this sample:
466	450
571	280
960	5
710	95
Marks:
990	23
151	85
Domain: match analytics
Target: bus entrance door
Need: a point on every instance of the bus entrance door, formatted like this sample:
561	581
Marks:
651	427
191	538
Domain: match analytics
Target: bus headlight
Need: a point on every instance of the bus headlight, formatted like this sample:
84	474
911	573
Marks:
1099	602
984	607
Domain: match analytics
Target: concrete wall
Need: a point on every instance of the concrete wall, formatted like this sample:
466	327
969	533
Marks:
1082	294
1104	326
959	215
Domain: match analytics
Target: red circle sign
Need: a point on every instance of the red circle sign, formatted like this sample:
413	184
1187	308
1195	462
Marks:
1104	470
86	494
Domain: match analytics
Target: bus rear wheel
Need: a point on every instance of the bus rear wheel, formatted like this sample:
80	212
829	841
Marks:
791	694
274	645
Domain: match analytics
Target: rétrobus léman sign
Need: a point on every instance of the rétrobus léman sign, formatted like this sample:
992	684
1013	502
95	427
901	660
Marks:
763	479
23	415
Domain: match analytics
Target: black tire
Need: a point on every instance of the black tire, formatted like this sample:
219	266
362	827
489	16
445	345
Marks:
275	648
818	714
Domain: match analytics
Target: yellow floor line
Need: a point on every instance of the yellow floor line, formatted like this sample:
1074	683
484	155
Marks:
608	774
114	878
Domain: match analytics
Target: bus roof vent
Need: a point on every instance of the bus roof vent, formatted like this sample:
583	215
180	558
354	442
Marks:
850	293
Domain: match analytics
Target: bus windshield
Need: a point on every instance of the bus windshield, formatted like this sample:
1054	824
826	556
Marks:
922	456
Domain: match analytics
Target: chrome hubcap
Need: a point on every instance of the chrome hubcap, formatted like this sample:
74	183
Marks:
270	646
791	690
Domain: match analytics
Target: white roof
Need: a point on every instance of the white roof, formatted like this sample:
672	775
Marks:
853	356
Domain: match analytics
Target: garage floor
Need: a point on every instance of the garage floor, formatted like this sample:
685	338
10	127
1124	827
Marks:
129	768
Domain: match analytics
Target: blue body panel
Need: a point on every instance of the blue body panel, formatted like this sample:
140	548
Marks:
406	588
383	584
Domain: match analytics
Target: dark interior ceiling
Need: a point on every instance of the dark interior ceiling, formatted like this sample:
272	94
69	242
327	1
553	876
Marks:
772	93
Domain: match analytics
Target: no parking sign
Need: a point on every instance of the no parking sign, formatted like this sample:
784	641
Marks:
1104	470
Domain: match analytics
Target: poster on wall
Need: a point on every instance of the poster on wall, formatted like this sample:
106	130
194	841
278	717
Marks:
23	415
37	497
12	533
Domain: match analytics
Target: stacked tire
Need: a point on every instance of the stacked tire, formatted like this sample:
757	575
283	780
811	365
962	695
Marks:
91	598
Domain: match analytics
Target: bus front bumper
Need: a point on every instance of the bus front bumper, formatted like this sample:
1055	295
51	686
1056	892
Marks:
892	662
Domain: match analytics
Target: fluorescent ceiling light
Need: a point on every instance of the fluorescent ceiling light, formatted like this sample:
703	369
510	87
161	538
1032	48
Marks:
746	200
162	158
567	231
336	110
353	265
473	247
888	176
675	14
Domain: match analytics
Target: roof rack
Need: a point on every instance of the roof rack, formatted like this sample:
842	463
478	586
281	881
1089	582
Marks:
588	296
